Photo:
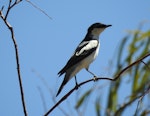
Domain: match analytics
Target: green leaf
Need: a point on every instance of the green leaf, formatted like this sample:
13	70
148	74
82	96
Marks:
113	96
144	35
120	51
97	106
135	79
83	98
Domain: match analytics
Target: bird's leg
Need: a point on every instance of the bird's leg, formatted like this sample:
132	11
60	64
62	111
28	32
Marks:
95	77
77	86
91	72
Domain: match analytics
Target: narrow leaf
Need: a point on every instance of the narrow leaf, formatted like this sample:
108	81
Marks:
83	98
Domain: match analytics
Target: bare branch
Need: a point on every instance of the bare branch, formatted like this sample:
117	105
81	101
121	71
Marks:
10	7
136	62
35	6
2	9
16	53
93	79
15	3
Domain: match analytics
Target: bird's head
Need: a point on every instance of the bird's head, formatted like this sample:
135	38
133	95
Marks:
97	28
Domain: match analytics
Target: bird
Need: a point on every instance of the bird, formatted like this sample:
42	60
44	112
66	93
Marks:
84	54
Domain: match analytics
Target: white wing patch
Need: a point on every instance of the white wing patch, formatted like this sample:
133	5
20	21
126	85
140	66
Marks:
91	44
83	43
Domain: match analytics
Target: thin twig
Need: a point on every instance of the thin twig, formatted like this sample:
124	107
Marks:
10	7
141	98
35	6
16	2
117	113
2	9
50	91
93	79
145	64
137	61
42	98
17	57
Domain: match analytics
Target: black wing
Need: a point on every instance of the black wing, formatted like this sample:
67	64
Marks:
82	51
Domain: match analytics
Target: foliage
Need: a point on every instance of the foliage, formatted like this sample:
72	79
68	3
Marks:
138	44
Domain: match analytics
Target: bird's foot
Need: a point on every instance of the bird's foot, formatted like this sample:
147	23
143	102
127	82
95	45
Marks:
95	78
77	86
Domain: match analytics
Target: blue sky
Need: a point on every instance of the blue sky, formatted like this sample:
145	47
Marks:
45	46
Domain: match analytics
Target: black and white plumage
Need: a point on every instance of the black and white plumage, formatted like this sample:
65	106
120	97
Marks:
84	54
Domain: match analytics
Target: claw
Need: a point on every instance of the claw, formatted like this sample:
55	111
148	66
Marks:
95	78
77	86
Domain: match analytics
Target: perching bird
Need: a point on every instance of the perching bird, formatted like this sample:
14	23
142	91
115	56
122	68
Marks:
84	54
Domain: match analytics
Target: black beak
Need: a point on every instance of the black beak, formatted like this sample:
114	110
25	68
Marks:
108	26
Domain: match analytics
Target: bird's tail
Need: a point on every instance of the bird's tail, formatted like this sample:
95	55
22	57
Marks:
66	79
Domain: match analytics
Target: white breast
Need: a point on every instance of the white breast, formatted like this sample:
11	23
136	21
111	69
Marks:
85	62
